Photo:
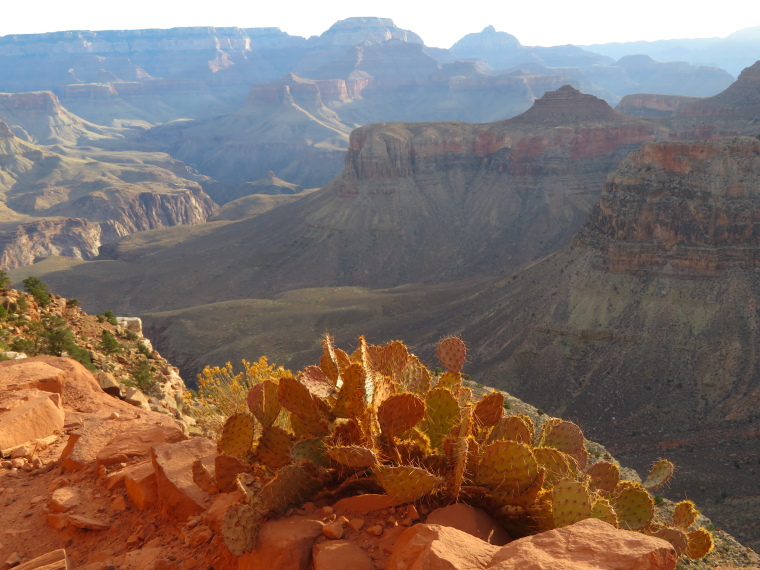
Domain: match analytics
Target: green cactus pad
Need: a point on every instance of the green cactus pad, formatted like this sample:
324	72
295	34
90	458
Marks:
452	353
541	512
353	456
570	503
507	466
567	437
240	526
274	447
700	543
313	449
452	381
558	465
399	413
237	435
602	510
415	377
292	485
316	381
684	514
659	474
297	399
603	476
633	505
515	428
264	402
329	362
676	537
461	448
489	410
405	483
441	414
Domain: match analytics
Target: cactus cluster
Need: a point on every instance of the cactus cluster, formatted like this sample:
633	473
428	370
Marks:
379	417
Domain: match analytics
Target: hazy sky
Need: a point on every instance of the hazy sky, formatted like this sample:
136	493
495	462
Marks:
549	22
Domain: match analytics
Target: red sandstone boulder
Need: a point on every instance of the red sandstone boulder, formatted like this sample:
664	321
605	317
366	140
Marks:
136	442
284	543
472	521
363	504
590	544
341	555
31	373
29	414
178	494
433	547
140	482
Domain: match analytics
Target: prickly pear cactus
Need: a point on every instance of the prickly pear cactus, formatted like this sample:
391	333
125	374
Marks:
570	503
684	515
699	543
659	474
452	353
237	435
406	483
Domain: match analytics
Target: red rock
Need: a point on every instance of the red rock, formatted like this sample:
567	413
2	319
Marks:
226	469
57	520
198	535
178	494
29	414
341	555
88	523
433	547
141	559
64	499
390	538
333	530
285	543
137	443
586	545
31	373
140	482
472	521
363	504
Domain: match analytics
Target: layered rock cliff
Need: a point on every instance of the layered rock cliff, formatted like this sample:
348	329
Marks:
423	202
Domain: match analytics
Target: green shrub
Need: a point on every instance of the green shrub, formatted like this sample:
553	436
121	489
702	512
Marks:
108	343
71	303
37	289
110	317
142	378
5	281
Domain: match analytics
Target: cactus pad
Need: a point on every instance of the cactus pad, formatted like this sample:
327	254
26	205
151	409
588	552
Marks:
567	437
515	428
700	543
489	409
452	353
684	514
264	403
676	537
441	414
297	399
399	413
507	466
394	357
353	456
313	450
558	465
570	502
659	474
415	377
316	381
452	381
633	505
274	447
406	483
603	476
351	398
240	526
602	510
237	435
292	485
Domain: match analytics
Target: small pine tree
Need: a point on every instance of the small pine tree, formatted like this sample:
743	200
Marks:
5	281
37	289
108	343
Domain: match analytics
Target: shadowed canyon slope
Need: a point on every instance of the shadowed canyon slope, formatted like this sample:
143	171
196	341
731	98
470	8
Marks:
415	203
